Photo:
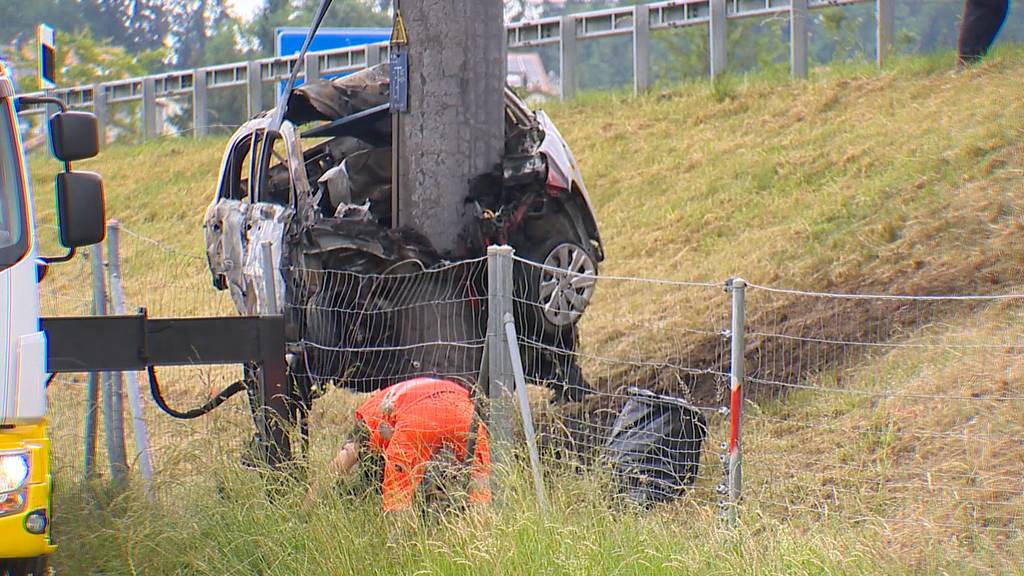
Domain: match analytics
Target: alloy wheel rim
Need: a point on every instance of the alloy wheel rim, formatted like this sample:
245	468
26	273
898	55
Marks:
566	283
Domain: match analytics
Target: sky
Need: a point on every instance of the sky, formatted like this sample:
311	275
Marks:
245	8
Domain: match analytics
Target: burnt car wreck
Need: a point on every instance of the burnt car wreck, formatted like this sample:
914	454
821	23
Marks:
357	305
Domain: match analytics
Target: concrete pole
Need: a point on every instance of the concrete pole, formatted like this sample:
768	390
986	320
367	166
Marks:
567	56
641	48
886	30
718	44
798	37
102	111
253	88
200	118
453	130
149	126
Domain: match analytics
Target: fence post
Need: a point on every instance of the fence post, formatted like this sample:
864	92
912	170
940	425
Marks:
148	108
499	303
134	400
200	117
113	412
641	48
738	375
99	308
372	55
567	56
524	409
253	88
886	32
102	112
311	68
269	271
718	44
798	37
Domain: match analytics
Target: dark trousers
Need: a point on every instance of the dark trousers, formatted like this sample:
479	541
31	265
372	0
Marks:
982	21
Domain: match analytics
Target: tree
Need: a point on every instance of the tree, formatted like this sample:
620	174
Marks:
192	24
343	13
137	25
19	18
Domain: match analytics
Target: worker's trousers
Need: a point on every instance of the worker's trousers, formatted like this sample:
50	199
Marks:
981	24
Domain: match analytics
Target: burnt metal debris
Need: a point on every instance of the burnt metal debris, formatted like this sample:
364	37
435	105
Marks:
343	270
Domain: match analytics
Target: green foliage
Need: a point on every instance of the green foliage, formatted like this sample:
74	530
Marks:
343	13
83	59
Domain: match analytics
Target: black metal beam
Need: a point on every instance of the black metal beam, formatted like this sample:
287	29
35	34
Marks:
116	343
131	343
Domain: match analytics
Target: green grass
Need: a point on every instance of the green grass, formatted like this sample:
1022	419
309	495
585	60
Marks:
907	180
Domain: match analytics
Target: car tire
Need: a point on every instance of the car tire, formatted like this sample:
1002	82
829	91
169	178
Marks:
557	300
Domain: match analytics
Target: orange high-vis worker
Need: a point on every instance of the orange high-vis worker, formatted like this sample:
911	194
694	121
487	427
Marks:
411	422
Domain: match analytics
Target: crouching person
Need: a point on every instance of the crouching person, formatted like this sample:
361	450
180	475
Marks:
432	441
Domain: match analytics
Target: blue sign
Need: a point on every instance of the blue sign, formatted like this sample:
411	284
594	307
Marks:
289	40
399	78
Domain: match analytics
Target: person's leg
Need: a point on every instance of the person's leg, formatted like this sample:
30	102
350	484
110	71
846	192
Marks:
981	23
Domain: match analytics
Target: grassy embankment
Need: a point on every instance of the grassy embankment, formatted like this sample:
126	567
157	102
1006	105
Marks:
908	181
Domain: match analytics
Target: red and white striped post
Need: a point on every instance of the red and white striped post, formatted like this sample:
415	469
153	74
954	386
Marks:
737	376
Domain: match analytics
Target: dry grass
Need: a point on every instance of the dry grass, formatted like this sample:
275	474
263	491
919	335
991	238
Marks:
906	181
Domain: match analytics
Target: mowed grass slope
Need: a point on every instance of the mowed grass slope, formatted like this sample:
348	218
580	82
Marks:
904	181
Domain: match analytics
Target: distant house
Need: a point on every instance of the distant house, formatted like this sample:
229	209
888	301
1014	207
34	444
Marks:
526	73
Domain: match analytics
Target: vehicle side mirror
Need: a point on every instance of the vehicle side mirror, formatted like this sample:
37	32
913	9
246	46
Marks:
74	135
81	215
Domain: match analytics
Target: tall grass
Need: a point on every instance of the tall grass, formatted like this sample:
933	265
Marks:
901	180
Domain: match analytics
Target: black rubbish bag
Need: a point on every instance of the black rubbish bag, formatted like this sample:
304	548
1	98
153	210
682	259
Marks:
654	447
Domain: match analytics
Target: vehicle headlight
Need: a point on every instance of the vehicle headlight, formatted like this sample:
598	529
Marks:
13	471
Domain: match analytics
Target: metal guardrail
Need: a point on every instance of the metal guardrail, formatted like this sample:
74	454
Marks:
636	21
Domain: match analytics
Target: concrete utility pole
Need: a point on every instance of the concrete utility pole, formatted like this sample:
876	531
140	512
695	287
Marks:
453	130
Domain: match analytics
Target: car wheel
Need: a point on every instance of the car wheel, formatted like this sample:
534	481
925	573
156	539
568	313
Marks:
559	289
564	285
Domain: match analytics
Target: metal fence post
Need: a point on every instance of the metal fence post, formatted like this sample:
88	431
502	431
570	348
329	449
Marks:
102	112
886	31
524	409
641	48
738	375
99	308
253	89
134	400
113	411
499	303
269	271
311	68
567	56
798	37
718	44
200	116
148	108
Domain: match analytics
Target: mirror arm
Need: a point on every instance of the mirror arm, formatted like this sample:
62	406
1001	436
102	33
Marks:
43	100
46	100
58	259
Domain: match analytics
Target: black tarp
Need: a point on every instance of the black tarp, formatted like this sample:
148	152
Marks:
654	447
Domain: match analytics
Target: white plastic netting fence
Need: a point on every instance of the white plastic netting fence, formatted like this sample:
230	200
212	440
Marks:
598	376
900	411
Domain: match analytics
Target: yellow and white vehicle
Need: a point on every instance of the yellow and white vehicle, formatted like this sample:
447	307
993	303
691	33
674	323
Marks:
25	481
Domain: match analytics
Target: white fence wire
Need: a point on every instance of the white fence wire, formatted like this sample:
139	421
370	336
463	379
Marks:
904	411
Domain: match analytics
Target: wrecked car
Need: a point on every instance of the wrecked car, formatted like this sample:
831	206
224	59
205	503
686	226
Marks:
344	276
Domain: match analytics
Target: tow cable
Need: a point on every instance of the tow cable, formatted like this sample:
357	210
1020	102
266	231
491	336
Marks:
209	406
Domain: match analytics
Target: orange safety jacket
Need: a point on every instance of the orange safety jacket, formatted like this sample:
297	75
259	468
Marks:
426	415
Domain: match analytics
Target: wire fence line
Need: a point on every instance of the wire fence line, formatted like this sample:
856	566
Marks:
900	410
